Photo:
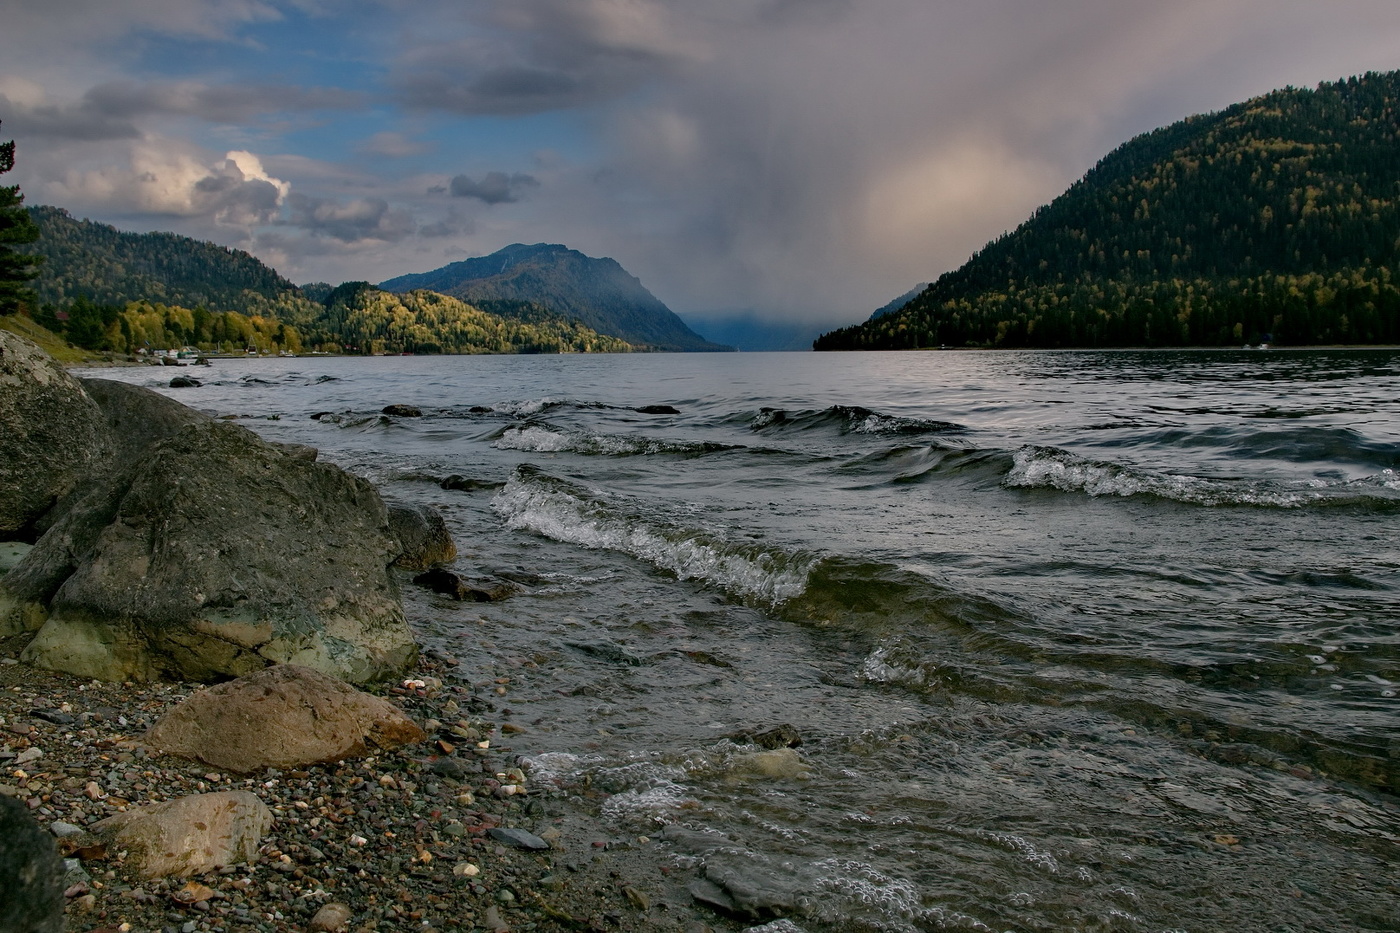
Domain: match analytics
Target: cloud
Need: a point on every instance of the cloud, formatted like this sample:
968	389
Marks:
115	110
494	187
392	146
519	57
171	180
349	221
217	103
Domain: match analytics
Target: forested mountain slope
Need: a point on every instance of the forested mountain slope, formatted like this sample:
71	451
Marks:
107	266
598	292
1275	219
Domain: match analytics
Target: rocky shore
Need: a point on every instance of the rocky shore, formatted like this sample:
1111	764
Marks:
448	834
148	551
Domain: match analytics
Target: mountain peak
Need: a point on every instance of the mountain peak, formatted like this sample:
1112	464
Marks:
600	293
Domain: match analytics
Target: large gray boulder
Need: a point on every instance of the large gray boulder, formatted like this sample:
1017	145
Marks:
51	435
133	419
212	554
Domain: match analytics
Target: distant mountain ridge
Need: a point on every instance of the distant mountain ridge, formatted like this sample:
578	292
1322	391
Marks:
1274	220
597	292
523	299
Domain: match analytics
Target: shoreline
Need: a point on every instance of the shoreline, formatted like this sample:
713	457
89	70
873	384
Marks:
400	838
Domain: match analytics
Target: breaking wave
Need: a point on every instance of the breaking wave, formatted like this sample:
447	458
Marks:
1052	468
848	419
548	439
534	501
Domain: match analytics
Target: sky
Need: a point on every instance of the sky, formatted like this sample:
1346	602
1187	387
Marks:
793	162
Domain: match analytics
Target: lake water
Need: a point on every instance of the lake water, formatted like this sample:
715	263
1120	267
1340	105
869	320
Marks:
1074	641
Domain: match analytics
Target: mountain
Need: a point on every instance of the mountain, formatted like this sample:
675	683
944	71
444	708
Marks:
102	289
597	292
108	266
899	302
1275	220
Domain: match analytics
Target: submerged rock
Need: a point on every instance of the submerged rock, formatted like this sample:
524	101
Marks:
402	411
188	836
783	736
450	584
185	382
283	717
51	434
657	410
747	893
423	538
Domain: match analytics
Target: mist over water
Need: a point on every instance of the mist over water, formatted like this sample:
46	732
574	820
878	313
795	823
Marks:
1094	641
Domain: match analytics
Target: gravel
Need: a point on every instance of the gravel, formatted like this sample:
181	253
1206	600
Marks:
443	836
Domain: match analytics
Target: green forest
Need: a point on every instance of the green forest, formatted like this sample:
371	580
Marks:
106	290
360	318
1276	220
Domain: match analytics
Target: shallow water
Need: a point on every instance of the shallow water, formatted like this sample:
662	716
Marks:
1075	641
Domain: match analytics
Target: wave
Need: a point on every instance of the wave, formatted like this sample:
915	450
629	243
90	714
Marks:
534	501
847	419
1053	468
543	438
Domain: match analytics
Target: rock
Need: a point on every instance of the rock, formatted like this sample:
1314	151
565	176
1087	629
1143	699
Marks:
783	736
190	835
402	411
31	873
423	538
519	838
462	483
282	717
606	650
136	418
331	918
657	410
51	434
450	584
223	554
749	894
778	763
185	382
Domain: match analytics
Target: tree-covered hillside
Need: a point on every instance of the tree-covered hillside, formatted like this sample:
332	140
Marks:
108	266
1276	219
360	318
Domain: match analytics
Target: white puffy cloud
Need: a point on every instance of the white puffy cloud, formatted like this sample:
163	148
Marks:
163	178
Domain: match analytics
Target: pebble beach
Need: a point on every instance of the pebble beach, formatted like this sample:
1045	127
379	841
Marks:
431	837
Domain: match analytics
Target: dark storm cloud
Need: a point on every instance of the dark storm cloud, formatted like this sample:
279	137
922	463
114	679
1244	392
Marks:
494	187
349	221
74	123
533	56
114	110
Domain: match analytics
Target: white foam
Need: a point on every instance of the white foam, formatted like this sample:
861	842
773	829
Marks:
571	516
1047	467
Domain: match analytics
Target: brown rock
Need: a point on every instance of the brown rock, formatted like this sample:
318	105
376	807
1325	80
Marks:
282	717
331	918
190	835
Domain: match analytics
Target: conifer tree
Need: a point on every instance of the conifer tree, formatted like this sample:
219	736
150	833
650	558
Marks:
17	228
